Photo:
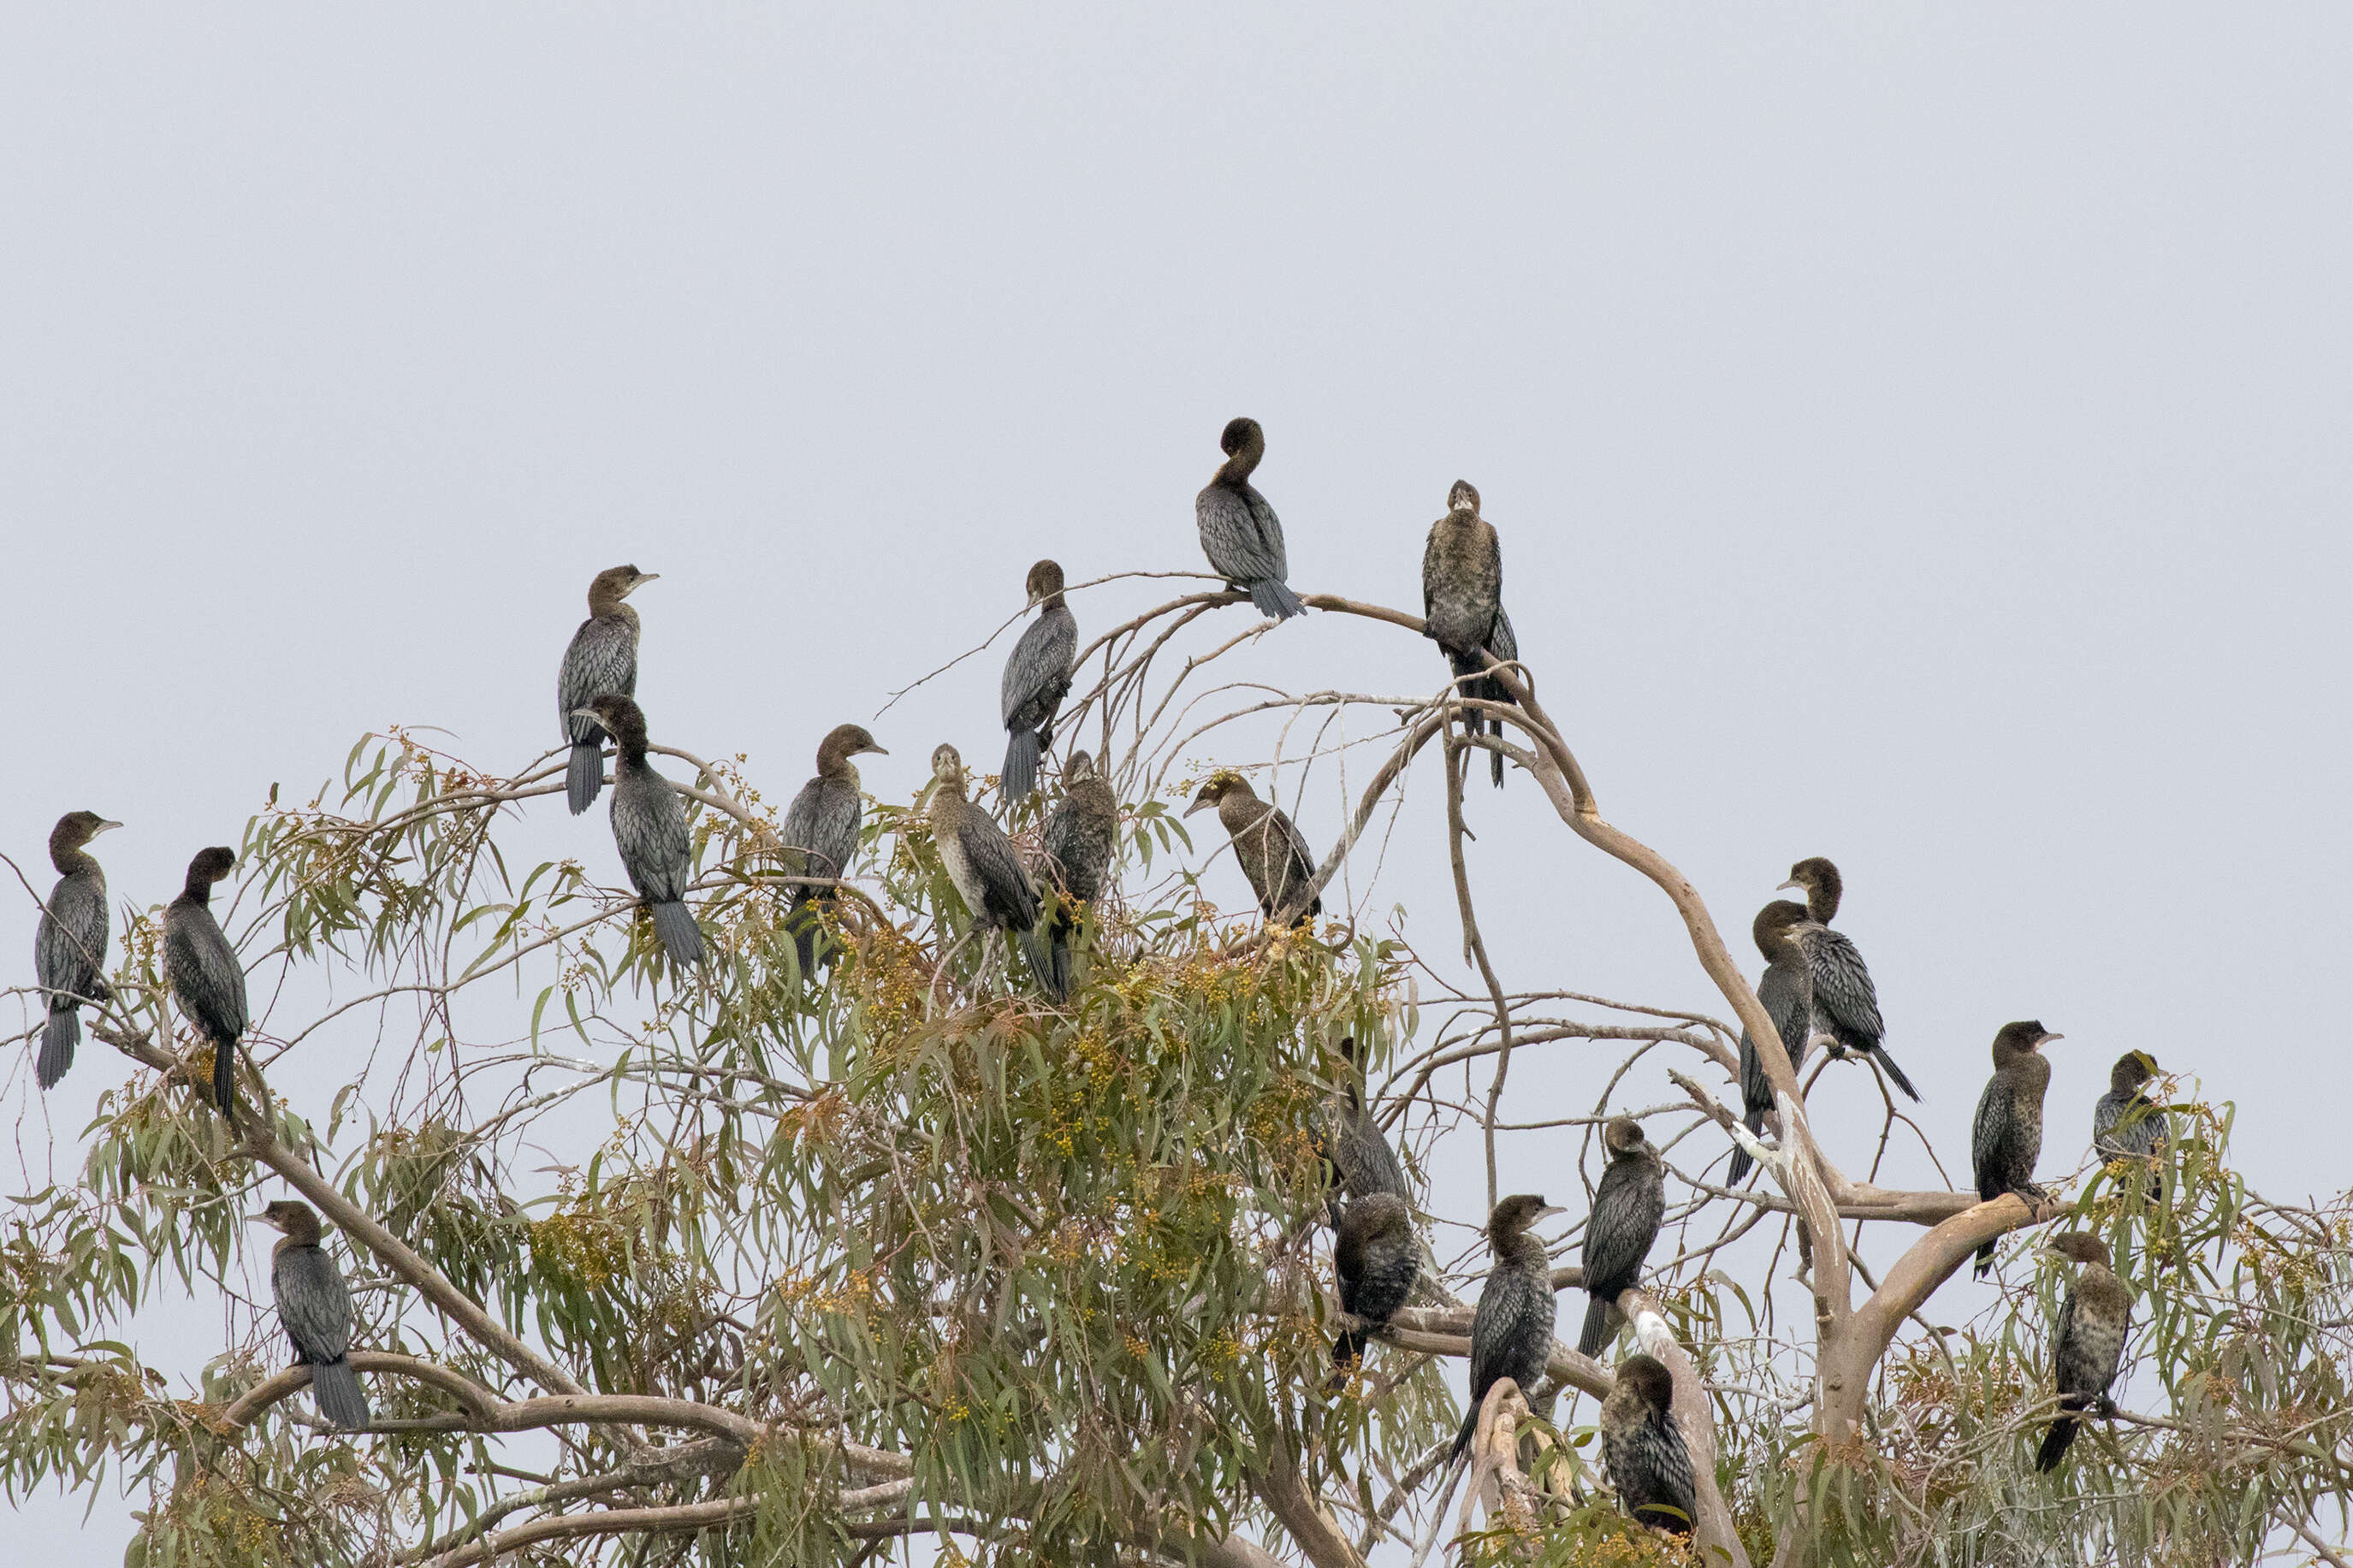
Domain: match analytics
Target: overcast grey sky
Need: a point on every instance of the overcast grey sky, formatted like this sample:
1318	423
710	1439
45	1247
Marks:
1919	436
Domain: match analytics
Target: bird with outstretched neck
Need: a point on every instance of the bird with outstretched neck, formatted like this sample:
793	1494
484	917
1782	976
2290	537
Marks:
1846	1003
1785	992
602	661
1271	851
821	832
1239	533
1081	833
1629	1202
985	868
2006	1139
1376	1260
2127	1124
314	1306
205	978
2093	1322
649	830
1511	1334
69	945
1643	1446
1462	606
1037	679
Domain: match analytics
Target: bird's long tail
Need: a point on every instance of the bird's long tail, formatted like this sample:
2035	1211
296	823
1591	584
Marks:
1597	1326
1895	1072
1756	1093
1470	1430
808	930
674	923
225	1078
1347	1349
585	776
1049	959
1985	1261
335	1389
2058	1440
1741	1162
1274	599
1021	749
59	1038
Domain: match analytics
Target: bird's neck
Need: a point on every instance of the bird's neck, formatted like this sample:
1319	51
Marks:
606	604
1237	469
197	891
1051	603
1240	813
70	858
1822	903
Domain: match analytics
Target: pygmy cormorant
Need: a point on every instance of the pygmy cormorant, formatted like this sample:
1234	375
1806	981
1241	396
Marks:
2092	1321
985	867
1511	1334
315	1306
1628	1205
1239	533
1846	1004
602	661
649	829
2007	1138
1361	1162
1271	851
1785	992
821	831
69	947
1462	604
205	978
1376	1260
1037	679
2125	1124
1642	1445
1080	836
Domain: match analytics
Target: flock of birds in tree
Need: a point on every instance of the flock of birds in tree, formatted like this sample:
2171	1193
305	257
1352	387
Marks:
1815	987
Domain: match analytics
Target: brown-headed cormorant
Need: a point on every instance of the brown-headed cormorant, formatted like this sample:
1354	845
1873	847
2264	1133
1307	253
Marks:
69	947
1462	604
1376	1260
1846	1004
1037	679
1272	853
1629	1202
1785	992
315	1306
821	831
649	830
1239	533
985	868
2093	1322
205	978
1511	1334
2125	1124
602	659
1080	836
2007	1138
1642	1444
1359	1161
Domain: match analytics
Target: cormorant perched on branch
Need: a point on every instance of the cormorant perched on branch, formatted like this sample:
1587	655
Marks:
1037	679
649	830
2093	1322
2125	1124
2007	1138
1642	1444
1079	839
205	978
1846	1004
1462	604
1511	1334
1785	992
602	659
1628	1205
315	1306
1272	853
1376	1260
1239	533
985	867
1361	1161
69	947
821	825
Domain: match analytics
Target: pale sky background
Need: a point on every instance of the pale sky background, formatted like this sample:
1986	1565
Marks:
1917	437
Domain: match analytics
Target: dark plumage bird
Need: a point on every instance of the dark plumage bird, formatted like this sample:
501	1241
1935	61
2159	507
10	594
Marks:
2007	1137
1376	1260
602	661
1360	1162
1037	679
205	978
2125	1124
1462	604
1785	992
315	1306
1846	1004
1239	533
1628	1205
1272	852
1642	1444
69	947
821	831
649	830
1511	1334
985	867
2093	1322
1080	836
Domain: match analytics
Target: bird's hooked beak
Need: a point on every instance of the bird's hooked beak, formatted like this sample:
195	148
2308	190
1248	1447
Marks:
104	827
2047	1038
643	578
876	749
1792	882
588	713
1202	804
1547	1212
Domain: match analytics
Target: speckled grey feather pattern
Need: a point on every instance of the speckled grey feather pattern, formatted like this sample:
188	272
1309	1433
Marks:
1376	1262
315	1307
602	659
1511	1334
1243	540
982	864
1080	835
1648	1463
649	830
1272	852
1846	1003
822	823
1362	1161
2093	1323
2006	1137
1786	995
1629	1202
2127	1125
70	956
1037	672
207	980
1463	607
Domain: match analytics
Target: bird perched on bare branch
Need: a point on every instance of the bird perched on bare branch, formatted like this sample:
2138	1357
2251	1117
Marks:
1272	852
1376	1259
649	830
602	659
2006	1139
1846	1003
69	945
985	868
1642	1445
315	1307
205	978
2125	1124
1511	1334
1239	533
1785	992
1462	605
2090	1344
820	831
1079	839
1629	1202
1037	679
